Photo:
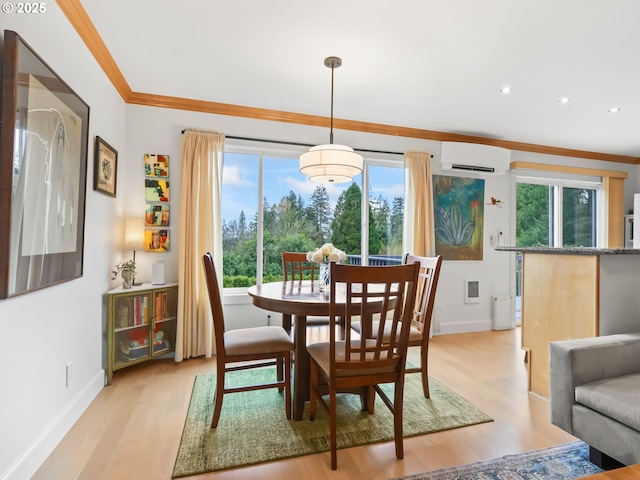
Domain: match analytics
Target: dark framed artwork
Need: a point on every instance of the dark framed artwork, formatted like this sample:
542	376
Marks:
43	173
105	167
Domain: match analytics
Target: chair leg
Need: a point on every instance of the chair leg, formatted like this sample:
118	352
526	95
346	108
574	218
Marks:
287	383
280	371
217	400
313	382
424	360
397	417
334	427
367	398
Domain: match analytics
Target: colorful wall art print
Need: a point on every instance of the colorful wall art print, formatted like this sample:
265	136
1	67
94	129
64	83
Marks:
157	215
459	217
156	190
156	240
156	165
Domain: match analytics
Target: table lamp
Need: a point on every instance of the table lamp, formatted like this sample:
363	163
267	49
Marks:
134	237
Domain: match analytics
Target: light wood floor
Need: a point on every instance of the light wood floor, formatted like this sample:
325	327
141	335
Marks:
132	429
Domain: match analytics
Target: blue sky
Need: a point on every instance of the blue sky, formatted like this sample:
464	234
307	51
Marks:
240	183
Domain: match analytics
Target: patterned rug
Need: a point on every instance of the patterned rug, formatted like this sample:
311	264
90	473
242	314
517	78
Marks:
253	427
564	462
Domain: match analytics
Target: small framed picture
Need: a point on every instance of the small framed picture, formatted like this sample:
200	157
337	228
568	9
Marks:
157	215
156	165
105	169
156	240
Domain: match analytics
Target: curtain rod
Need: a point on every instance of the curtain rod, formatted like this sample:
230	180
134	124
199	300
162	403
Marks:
297	144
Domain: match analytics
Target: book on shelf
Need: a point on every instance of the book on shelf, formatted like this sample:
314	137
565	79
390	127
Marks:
160	309
140	310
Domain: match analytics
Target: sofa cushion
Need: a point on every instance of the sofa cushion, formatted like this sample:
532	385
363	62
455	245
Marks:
617	397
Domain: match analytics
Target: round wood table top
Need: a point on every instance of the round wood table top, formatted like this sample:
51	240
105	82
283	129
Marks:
297	297
294	297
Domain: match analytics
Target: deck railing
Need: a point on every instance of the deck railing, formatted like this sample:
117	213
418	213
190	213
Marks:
376	259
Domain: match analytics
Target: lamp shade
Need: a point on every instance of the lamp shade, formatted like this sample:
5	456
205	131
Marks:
134	234
330	163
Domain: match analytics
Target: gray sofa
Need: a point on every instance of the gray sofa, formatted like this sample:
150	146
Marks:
595	394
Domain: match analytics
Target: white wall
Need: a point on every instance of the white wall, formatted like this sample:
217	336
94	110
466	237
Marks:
43	331
156	130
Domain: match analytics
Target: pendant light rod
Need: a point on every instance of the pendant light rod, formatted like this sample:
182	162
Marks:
332	63
331	126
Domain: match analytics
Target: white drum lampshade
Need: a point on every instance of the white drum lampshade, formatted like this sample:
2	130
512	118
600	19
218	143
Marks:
331	163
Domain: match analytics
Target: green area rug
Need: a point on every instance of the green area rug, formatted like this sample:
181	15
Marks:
253	427
564	462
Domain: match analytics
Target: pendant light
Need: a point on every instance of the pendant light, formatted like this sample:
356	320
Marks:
331	163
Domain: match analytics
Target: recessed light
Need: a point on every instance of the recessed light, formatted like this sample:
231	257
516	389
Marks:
614	109
564	100
506	89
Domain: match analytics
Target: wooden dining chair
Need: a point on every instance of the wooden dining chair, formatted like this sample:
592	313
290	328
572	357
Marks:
295	266
258	345
343	365
422	313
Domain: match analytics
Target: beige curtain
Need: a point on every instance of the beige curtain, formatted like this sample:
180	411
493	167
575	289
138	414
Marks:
200	231
419	227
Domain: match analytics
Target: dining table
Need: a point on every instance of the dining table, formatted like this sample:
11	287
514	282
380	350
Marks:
300	299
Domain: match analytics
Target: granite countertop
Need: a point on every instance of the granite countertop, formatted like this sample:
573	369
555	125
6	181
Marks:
572	250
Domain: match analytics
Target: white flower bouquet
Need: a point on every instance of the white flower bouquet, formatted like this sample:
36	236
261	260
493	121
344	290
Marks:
327	253
322	256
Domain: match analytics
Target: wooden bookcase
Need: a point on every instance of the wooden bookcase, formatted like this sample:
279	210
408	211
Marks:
141	324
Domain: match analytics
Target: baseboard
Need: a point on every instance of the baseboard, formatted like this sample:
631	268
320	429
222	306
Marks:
26	466
447	328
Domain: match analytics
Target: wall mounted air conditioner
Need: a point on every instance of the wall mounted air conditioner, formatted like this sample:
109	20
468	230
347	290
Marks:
475	157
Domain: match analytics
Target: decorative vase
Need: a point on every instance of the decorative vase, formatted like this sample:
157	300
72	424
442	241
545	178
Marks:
127	279
325	276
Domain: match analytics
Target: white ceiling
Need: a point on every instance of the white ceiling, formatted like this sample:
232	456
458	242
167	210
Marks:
426	64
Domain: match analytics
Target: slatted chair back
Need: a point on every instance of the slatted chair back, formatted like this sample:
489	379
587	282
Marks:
423	312
388	292
427	285
295	266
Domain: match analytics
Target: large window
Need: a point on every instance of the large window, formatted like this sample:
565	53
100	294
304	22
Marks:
556	214
268	207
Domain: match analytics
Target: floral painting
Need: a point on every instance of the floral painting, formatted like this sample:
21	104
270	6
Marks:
459	217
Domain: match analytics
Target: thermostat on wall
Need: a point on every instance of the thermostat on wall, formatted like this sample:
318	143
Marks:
471	291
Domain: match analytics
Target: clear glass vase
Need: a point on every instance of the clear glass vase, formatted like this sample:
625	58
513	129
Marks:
325	276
